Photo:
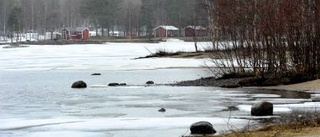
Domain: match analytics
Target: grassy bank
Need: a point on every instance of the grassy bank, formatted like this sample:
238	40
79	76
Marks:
279	131
295	124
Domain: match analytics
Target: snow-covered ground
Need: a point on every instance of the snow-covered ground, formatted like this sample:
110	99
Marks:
36	99
109	56
27	37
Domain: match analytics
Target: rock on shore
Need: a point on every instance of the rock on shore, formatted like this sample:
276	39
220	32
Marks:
202	128
262	109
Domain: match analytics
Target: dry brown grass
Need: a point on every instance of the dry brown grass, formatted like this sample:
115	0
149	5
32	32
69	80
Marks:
295	124
278	131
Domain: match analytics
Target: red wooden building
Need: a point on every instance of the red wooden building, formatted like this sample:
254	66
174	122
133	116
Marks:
166	31
198	31
79	33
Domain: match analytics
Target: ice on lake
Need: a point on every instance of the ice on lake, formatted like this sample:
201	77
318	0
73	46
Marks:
36	98
109	56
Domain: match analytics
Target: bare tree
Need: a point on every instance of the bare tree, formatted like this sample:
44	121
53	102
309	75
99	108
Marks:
270	38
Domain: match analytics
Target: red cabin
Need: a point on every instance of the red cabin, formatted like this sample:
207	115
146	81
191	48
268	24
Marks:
195	31
79	33
166	31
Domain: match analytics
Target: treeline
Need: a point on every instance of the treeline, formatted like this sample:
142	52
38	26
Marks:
270	38
38	15
124	15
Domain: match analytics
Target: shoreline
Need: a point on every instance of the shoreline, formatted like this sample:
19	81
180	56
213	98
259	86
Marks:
92	41
233	82
309	86
101	40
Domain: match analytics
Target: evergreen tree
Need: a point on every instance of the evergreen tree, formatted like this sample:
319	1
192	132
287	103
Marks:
100	12
14	23
146	16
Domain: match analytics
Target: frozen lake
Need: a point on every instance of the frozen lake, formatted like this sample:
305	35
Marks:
36	99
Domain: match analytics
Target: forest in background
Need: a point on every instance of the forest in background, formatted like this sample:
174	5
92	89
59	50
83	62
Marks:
126	15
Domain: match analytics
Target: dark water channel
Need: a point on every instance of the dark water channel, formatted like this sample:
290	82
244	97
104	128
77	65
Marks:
282	93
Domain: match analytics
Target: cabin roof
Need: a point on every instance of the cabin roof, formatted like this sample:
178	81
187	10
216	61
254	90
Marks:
196	27
77	29
167	27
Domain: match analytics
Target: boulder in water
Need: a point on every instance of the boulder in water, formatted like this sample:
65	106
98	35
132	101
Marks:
150	82
96	74
113	84
79	84
162	110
